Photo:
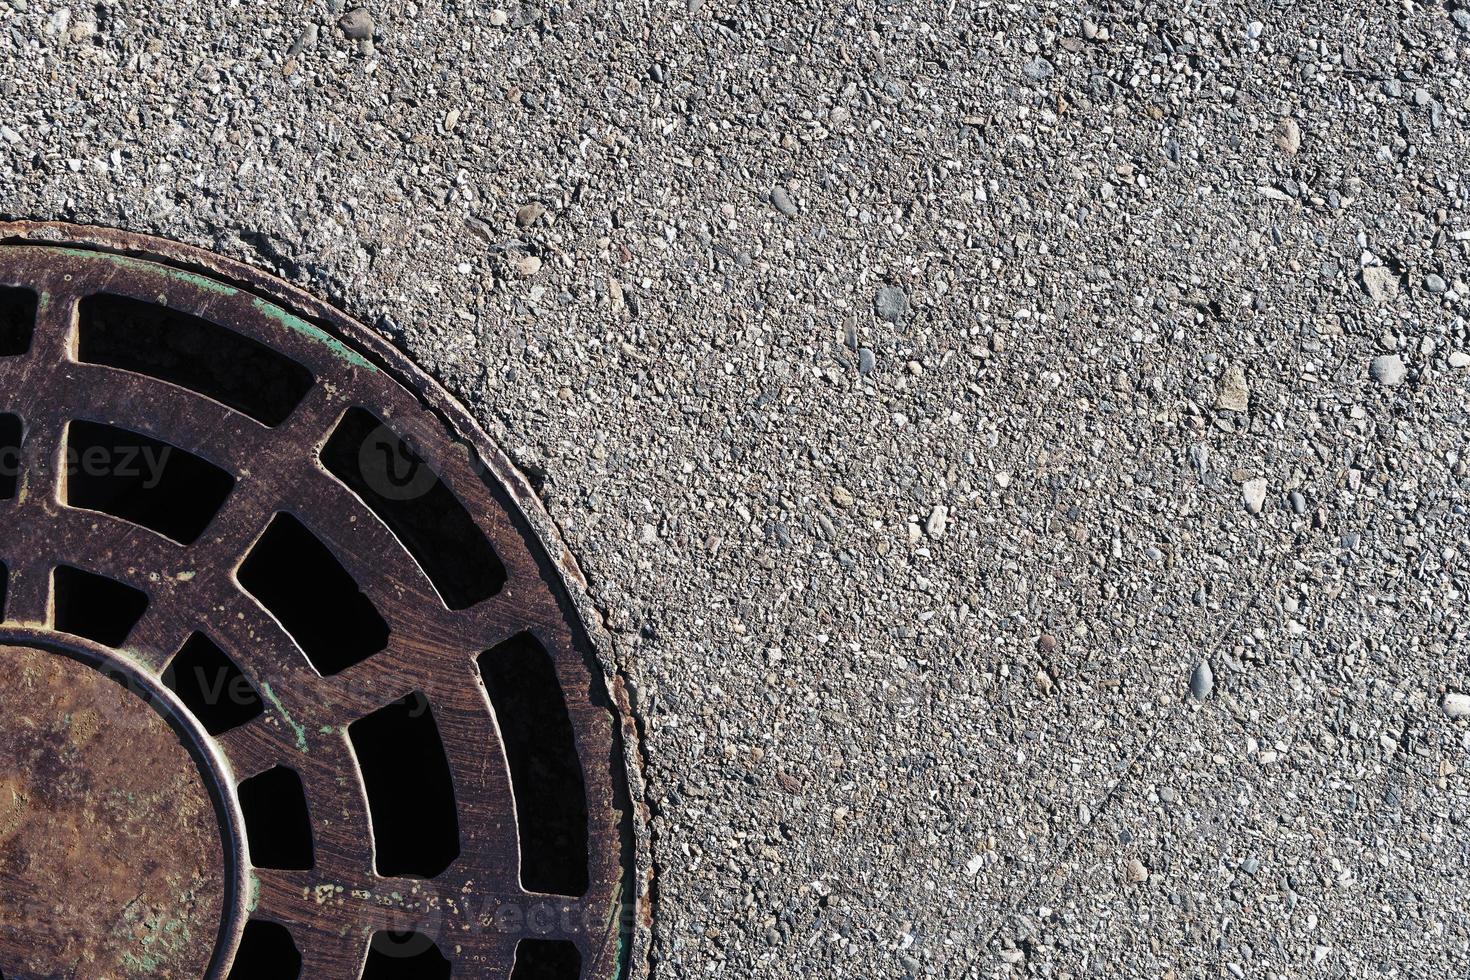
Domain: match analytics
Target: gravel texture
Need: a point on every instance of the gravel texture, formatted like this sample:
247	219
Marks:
1021	453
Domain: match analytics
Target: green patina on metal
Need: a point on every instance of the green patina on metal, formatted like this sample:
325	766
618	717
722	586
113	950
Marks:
252	899
141	265
286	716
145	965
271	310
171	938
615	924
316	333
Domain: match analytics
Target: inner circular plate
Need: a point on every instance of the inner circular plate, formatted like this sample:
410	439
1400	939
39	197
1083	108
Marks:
108	868
246	498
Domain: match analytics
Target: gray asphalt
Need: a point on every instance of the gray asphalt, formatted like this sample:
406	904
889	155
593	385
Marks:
928	392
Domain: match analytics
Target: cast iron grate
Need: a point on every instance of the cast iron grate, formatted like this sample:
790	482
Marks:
247	498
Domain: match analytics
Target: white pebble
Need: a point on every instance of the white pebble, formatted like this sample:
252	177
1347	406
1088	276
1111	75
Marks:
1457	705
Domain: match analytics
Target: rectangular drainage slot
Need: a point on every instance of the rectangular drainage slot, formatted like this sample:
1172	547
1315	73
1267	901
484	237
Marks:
411	499
192	353
17	320
266	952
545	773
277	824
11	432
142	480
96	607
546	959
211	686
409	788
405	956
302	584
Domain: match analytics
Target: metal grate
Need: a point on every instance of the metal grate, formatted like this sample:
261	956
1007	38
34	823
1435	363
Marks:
307	559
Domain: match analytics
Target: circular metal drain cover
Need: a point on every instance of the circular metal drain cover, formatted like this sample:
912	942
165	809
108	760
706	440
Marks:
294	683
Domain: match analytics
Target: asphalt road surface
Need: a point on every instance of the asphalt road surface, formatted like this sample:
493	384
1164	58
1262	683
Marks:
1020	451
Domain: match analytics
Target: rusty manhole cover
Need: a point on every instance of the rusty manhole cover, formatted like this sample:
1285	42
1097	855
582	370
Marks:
293	682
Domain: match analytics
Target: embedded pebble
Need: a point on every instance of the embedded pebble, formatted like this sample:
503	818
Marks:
891	303
1289	136
782	202
528	214
304	40
1038	69
1388	370
1254	494
1202	681
937	522
357	24
1234	394
1381	283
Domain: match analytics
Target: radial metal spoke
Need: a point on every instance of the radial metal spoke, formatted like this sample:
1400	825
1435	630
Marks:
155	639
28	597
116	549
42	411
504	616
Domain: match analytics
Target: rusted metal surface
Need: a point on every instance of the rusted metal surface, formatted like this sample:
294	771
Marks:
476	910
112	862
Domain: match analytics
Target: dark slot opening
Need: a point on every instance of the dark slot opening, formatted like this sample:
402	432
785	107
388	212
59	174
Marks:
96	607
267	952
4	585
277	825
405	956
17	320
10	440
409	789
303	585
192	353
546	959
142	480
545	773
211	686
411	499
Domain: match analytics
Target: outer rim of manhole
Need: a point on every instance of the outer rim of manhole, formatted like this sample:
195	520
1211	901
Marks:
460	422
